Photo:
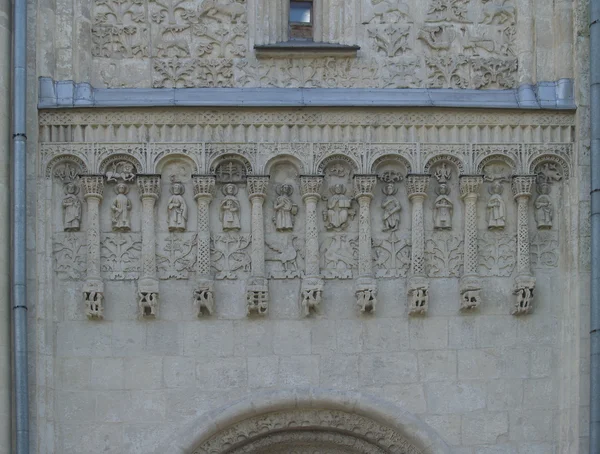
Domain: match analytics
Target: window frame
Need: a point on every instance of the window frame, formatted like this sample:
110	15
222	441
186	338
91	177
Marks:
302	31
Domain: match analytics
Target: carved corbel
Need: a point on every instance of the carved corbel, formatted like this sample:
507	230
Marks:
366	286
257	289
93	289
524	282
149	188
470	283
312	283
418	285
204	192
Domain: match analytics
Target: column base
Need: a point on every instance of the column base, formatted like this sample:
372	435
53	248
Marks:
148	298
93	298
524	287
204	297
257	296
366	294
312	295
470	293
418	295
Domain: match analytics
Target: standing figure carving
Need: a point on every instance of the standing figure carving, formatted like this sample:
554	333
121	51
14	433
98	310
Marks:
177	208
543	207
391	208
71	208
284	208
496	208
230	208
338	211
442	215
121	207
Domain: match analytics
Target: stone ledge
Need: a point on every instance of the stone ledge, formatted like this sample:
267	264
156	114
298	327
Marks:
545	95
305	49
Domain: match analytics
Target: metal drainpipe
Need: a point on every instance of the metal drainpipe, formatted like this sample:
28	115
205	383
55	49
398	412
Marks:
18	271
595	209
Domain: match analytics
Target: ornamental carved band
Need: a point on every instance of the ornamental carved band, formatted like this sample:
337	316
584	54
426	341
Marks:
418	286
204	192
524	282
93	289
470	285
366	287
149	187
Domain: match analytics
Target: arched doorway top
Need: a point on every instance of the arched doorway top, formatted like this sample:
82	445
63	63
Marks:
270	421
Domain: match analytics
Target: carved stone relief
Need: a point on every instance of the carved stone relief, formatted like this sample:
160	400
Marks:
120	256
496	206
443	206
71	208
177	210
544	249
339	211
69	251
285	209
444	255
230	209
230	255
176	255
121	208
339	256
496	254
284	257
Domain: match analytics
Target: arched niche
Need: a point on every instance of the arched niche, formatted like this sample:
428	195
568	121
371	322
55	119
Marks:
176	169
283	170
484	162
555	167
340	159
444	185
64	172
292	420
434	161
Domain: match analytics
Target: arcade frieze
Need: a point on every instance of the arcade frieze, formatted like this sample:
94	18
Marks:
361	216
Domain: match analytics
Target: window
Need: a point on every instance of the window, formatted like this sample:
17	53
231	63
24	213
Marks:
301	20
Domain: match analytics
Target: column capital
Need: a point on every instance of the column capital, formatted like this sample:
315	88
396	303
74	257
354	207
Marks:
417	184
364	185
257	186
310	185
470	184
521	185
149	185
93	186
204	186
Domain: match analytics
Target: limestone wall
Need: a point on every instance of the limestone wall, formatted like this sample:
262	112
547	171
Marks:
432	228
403	43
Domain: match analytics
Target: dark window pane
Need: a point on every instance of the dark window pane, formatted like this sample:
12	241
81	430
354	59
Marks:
300	12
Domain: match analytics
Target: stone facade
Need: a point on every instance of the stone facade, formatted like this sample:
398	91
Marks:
373	280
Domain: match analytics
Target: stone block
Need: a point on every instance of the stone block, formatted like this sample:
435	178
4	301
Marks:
462	332
263	371
76	407
380	369
144	373
543	362
113	406
108	373
349	336
504	394
128	338
83	339
164	338
209	339
253	339
480	364
292	338
437	365
221	373
385	335
323	337
428	333
480	428
451	397
299	371
179	372
339	371
540	393
103	439
448	426
73	373
531	425
147	406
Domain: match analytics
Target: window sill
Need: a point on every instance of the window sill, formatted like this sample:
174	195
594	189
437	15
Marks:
299	48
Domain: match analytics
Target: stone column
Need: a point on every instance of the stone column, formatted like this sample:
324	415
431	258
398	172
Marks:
257	291
470	284
149	187
418	286
366	286
93	289
204	294
312	282
524	282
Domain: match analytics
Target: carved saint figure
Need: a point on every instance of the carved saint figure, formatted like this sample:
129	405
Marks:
442	215
391	208
177	209
496	208
543	207
71	208
230	208
285	209
338	210
121	207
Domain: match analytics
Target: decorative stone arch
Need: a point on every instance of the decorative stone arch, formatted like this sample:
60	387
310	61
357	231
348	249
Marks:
76	161
279	422
452	159
166	157
511	162
231	157
120	157
323	163
285	159
558	161
391	158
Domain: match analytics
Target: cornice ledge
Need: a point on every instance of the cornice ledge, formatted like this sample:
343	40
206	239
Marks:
66	94
305	48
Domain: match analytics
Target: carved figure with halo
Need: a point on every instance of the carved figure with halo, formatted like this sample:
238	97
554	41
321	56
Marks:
284	208
391	208
121	207
339	209
230	208
177	208
71	208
